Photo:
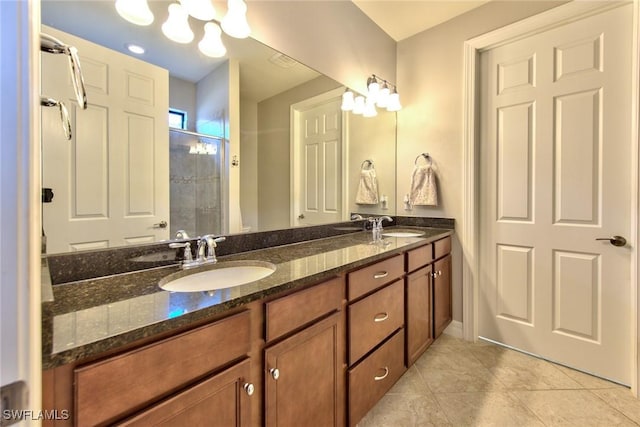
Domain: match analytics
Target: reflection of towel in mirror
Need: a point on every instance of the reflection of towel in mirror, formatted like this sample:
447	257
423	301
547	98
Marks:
424	190
367	193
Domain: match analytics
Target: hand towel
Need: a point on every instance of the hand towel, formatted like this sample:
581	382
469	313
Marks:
424	190
367	193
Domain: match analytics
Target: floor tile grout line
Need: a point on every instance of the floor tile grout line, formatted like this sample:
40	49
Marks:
612	407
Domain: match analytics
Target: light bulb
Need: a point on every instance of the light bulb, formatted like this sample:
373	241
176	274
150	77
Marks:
211	44
373	88
383	96
393	104
199	9
358	107
235	22
176	27
347	101
135	11
370	109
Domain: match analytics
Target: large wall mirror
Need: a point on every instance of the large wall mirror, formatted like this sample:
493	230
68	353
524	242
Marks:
265	145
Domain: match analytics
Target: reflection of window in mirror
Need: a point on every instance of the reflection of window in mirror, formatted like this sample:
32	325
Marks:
177	119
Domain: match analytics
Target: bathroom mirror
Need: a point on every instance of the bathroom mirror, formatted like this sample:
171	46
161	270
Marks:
255	181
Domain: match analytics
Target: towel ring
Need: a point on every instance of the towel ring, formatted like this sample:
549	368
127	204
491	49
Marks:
426	156
368	163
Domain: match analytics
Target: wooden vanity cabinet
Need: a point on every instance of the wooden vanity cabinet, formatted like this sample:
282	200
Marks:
419	313
376	333
442	315
222	400
304	358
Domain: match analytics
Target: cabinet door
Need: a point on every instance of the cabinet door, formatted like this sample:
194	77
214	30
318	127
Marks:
305	377
441	295
221	400
419	326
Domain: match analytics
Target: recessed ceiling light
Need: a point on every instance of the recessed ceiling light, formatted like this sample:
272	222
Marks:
134	48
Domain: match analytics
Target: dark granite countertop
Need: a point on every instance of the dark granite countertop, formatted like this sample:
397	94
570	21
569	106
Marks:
92	316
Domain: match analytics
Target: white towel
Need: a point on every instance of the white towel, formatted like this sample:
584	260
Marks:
424	190
367	193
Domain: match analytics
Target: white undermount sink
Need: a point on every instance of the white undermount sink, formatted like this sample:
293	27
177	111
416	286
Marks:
402	233
217	276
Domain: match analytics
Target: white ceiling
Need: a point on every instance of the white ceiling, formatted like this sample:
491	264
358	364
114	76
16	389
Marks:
404	18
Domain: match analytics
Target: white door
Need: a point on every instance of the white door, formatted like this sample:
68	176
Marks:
555	177
320	137
111	181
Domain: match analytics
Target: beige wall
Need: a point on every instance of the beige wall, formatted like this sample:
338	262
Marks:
332	37
430	83
182	96
249	163
274	152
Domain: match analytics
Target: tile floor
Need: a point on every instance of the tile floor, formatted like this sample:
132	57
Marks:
456	383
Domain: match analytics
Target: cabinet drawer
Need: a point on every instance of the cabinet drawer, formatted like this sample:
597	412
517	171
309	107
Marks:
372	378
374	318
442	247
419	257
220	400
111	388
370	278
293	311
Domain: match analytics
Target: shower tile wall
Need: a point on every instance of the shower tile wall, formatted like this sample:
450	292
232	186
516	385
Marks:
195	187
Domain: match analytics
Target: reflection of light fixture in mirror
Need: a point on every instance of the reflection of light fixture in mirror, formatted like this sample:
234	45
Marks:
211	44
358	107
383	95
135	11
235	21
176	27
199	9
369	109
377	96
203	148
348	101
393	104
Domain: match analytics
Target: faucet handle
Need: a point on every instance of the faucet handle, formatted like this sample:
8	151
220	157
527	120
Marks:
218	240
187	250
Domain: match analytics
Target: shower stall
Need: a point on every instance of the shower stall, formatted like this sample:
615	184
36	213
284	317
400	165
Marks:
198	170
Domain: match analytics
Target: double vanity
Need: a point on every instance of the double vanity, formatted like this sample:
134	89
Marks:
316	338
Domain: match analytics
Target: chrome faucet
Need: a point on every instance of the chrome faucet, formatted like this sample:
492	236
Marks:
207	249
376	229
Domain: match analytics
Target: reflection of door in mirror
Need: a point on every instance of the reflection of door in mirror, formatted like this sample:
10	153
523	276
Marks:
111	180
317	160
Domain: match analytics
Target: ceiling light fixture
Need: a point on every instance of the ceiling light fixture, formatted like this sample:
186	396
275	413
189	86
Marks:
134	48
176	27
377	95
135	11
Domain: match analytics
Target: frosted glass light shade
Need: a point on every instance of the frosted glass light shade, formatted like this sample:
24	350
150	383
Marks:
211	44
348	101
370	109
199	9
235	22
393	103
383	96
176	27
359	106
135	11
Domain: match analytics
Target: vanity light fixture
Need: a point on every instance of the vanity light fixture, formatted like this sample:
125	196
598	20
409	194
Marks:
211	44
176	27
235	21
203	148
379	94
135	11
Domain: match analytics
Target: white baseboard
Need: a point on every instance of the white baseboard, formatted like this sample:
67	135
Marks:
454	329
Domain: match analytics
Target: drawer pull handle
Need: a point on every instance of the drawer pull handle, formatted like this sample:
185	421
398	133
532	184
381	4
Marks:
381	377
249	388
381	275
380	317
275	373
